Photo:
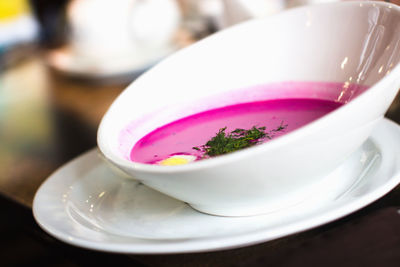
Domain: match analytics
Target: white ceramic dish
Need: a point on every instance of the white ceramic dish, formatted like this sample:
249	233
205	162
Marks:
84	203
354	42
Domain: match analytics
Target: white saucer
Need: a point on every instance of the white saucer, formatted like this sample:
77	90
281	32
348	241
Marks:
84	203
65	60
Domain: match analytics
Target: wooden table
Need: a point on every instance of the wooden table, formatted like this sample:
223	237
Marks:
46	120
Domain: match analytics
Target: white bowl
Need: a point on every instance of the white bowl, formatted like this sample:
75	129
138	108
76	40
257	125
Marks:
353	42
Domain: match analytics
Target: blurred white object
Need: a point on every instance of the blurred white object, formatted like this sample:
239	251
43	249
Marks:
295	3
104	30
226	13
154	22
220	14
113	38
236	11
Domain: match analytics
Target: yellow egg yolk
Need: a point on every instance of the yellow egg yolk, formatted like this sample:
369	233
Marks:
177	160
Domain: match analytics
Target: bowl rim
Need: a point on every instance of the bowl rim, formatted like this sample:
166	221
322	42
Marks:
307	129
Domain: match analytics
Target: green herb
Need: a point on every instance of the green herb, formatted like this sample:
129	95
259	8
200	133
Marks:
280	127
223	143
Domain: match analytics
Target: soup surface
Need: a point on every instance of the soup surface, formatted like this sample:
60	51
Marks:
174	143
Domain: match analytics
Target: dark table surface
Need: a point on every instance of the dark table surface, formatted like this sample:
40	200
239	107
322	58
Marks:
47	119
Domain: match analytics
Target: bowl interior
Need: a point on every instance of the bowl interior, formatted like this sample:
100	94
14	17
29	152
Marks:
344	43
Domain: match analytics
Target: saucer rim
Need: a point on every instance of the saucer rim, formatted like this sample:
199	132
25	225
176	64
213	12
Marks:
67	70
338	209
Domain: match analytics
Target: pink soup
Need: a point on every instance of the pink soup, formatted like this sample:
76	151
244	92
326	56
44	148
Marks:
179	137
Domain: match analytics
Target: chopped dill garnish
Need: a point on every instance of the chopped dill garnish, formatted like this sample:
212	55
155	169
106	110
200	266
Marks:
223	143
280	127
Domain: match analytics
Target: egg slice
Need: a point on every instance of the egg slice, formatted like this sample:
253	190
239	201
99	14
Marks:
177	160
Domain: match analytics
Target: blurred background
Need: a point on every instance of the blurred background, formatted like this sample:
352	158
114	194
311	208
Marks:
62	63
